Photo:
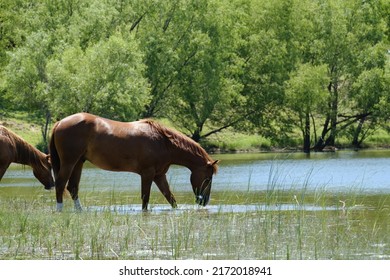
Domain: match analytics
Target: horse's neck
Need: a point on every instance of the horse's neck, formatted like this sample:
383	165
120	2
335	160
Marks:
187	159
27	155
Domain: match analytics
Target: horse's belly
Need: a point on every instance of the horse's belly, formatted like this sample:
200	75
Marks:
112	162
133	154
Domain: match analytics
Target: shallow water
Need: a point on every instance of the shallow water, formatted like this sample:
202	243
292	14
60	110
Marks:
367	171
210	209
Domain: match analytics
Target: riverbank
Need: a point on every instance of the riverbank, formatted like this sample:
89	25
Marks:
226	141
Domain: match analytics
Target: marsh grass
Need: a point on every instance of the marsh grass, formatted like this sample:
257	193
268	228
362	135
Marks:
355	229
316	224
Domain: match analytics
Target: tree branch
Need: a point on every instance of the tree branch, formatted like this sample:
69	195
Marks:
354	117
227	125
136	23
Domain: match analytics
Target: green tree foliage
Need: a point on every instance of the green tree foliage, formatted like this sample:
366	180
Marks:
274	67
106	79
350	41
306	93
370	95
205	86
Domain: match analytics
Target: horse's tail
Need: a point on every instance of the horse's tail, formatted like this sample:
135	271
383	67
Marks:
54	157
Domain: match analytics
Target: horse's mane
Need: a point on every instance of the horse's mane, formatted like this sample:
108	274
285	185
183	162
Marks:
24	152
180	140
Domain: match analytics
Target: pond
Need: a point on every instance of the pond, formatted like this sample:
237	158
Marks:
367	171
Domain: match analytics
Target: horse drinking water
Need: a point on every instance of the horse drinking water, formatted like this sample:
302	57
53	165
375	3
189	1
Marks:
144	147
15	149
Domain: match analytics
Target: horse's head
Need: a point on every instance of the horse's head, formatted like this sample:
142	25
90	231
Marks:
201	179
43	173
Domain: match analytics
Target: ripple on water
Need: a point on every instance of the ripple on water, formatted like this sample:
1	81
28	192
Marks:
211	209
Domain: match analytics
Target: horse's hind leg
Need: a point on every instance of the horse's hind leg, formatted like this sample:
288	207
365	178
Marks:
60	181
73	184
64	174
162	184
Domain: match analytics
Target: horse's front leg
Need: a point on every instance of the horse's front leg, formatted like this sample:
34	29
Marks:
146	183
3	168
162	184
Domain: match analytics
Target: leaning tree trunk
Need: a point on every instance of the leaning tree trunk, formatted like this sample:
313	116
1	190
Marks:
321	142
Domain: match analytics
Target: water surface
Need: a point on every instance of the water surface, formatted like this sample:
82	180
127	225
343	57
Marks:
367	171
211	209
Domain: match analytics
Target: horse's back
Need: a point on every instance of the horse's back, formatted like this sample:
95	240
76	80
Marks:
86	123
110	145
72	123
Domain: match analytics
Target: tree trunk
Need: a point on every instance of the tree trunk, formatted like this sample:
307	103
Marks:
314	128
196	135
356	143
320	144
306	134
333	116
45	133
330	124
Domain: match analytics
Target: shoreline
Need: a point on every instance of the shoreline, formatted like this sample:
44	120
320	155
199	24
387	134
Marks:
29	130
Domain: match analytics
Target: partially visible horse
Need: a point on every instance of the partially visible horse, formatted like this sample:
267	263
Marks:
144	147
15	149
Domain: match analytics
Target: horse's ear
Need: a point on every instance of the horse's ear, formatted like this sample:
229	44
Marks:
214	166
213	163
48	158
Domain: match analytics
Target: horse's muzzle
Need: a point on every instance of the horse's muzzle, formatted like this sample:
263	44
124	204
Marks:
50	186
202	200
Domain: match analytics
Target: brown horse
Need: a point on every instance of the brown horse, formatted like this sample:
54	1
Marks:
15	149
144	147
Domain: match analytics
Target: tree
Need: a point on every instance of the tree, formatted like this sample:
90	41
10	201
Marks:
349	36
306	93
268	57
105	79
369	91
76	60
26	78
190	50
206	87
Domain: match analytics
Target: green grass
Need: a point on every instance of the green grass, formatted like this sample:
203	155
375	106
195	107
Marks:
230	141
30	229
24	126
380	139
